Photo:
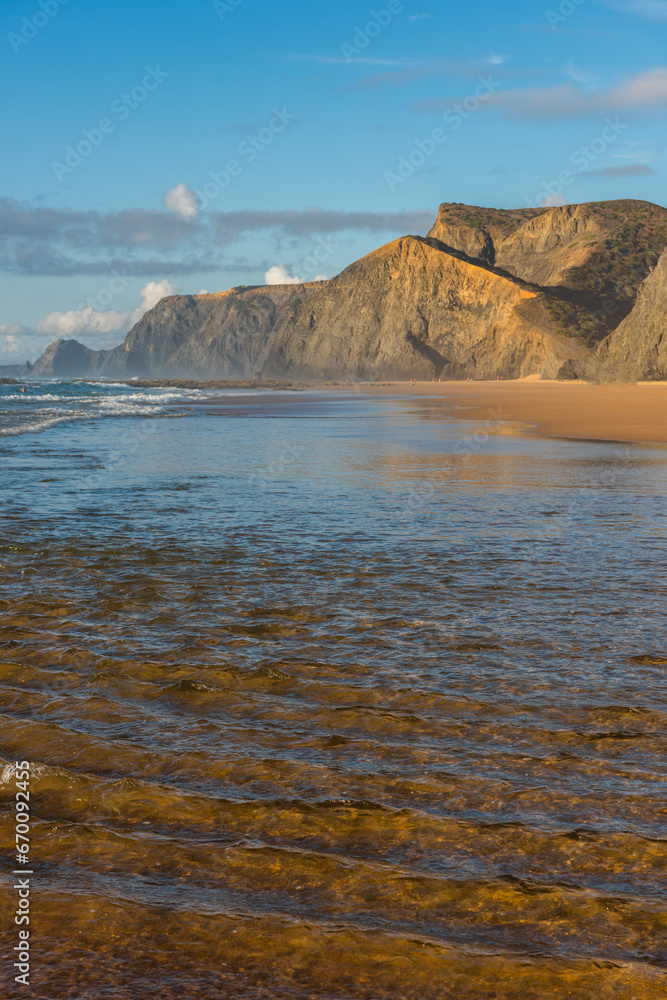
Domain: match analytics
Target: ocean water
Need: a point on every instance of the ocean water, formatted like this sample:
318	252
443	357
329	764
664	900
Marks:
329	696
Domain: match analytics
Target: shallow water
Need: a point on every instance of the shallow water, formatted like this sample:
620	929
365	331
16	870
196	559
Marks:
330	697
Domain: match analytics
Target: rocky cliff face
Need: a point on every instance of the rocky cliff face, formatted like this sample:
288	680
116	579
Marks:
416	308
67	358
637	350
593	256
487	294
224	335
478	232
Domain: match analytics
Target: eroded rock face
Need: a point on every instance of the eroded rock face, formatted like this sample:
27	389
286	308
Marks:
479	231
67	358
595	256
416	308
224	335
637	350
490	293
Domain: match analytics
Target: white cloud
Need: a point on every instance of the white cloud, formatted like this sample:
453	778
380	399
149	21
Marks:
631	170
12	344
36	240
645	90
151	295
649	10
181	200
96	321
66	324
553	201
15	343
12	330
279	275
105	327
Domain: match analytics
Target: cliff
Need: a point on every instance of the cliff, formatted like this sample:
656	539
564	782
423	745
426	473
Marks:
489	293
14	371
637	350
66	358
417	308
594	256
222	335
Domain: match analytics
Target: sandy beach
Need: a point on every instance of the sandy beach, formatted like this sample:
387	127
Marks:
556	409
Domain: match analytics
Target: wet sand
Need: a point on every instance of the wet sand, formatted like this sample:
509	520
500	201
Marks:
556	409
580	410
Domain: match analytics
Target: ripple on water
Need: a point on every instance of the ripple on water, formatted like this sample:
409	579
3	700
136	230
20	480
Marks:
325	750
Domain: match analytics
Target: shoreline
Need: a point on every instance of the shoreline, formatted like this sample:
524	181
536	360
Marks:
581	411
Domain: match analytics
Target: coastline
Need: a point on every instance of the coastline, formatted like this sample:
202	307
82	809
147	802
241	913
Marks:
584	411
634	413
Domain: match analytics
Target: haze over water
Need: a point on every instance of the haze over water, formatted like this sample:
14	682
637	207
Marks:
331	697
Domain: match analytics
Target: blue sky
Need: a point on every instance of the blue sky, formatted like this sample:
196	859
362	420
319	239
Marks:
329	129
